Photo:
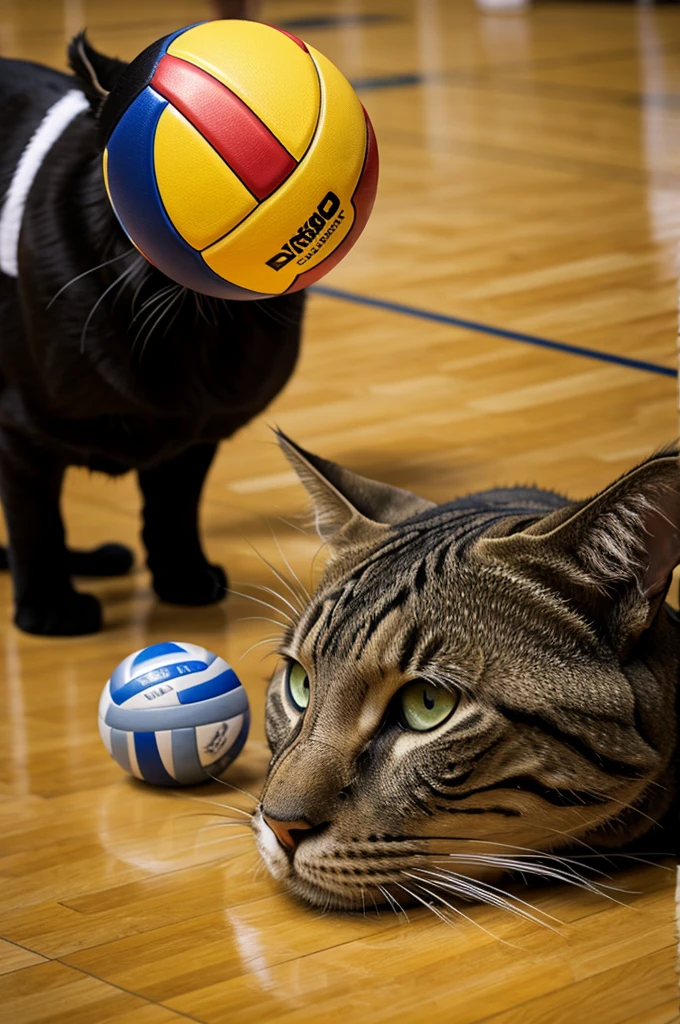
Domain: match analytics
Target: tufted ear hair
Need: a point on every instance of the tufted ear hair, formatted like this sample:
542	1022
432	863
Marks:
614	554
350	510
96	73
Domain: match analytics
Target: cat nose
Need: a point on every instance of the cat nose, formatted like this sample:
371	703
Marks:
288	833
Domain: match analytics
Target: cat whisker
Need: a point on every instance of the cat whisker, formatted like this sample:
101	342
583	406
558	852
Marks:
135	295
275	315
161	293
92	270
184	293
159	315
118	281
471	920
530	851
211	814
643	860
216	803
153	305
257	868
280	577
313	563
306	594
429	906
629	807
267	640
293	526
375	905
241	835
274	593
558	874
201	311
491	894
258	600
264	618
394	903
230	785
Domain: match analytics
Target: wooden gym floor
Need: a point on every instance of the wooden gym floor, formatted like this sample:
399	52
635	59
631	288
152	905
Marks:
530	187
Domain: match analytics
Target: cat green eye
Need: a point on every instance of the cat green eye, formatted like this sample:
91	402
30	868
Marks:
424	706
297	685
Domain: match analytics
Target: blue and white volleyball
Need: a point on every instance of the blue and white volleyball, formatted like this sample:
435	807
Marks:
174	714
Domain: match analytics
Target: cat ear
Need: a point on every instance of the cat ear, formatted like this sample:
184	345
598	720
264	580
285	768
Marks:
614	554
350	509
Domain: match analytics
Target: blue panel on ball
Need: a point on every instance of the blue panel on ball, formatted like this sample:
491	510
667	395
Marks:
155	651
138	205
119	748
212	688
119	677
154	677
205	712
151	767
240	740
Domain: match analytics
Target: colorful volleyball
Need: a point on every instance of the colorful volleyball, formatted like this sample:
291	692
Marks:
174	714
238	159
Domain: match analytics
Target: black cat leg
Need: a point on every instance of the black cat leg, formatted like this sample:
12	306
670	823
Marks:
45	601
106	560
181	573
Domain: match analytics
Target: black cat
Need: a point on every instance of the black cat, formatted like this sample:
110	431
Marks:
106	363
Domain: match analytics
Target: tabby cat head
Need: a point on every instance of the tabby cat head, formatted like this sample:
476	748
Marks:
470	682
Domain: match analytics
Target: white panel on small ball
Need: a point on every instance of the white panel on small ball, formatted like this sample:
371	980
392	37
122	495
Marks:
164	743
159	694
157	664
105	733
195	652
215	740
105	701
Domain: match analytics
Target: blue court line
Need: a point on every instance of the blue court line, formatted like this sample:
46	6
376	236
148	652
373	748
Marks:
388	81
337	20
498	332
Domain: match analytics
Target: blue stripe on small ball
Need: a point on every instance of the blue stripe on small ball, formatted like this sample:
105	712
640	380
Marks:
151	767
215	687
174	689
155	651
156	675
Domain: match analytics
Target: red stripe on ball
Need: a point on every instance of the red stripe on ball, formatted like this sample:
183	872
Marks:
300	43
227	123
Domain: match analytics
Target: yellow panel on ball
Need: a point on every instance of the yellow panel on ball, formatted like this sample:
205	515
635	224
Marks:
332	166
265	68
202	196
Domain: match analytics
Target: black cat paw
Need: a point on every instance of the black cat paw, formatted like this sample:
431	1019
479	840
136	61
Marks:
192	585
106	560
70	615
4	561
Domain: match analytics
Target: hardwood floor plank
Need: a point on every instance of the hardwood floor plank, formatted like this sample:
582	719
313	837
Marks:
15	958
51	993
530	174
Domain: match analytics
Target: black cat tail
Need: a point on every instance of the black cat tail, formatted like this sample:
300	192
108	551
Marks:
96	73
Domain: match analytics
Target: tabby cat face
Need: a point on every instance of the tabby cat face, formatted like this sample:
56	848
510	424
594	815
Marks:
470	682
